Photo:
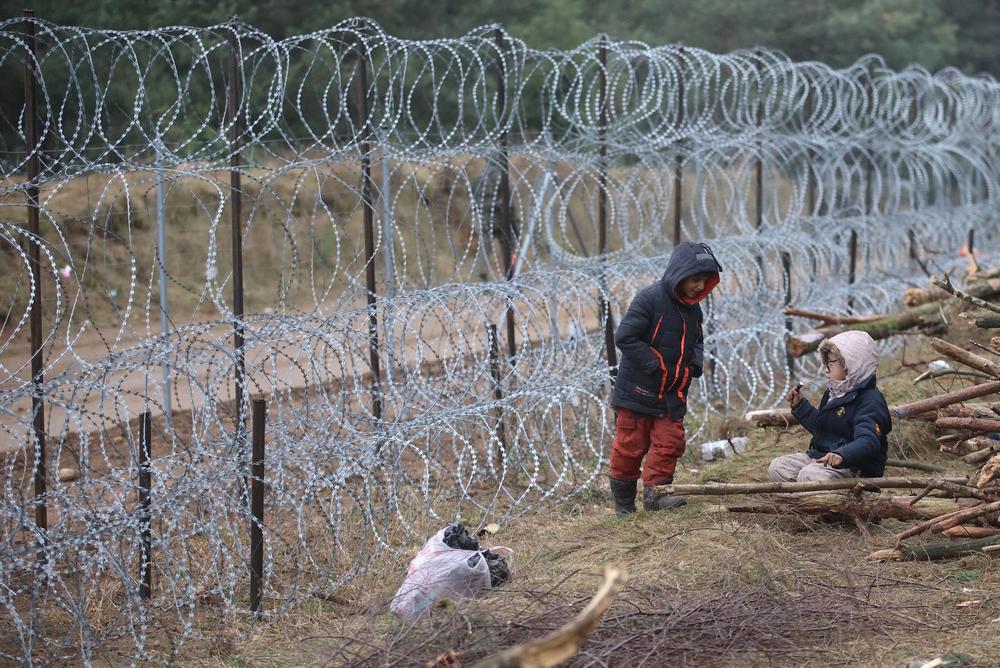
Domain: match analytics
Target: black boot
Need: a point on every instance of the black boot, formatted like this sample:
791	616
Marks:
623	492
653	500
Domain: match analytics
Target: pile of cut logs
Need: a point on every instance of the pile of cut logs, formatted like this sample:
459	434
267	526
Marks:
961	501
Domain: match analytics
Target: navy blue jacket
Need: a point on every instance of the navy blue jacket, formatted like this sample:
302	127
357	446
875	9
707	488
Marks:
661	338
854	426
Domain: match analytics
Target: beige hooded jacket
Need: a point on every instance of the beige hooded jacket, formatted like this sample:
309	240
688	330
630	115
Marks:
860	354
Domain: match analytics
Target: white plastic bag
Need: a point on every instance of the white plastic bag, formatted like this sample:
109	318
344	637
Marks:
438	570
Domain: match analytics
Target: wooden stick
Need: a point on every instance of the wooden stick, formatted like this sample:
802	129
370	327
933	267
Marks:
973	296
941	400
783	487
560	645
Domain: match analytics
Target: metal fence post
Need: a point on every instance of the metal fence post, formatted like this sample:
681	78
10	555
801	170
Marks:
161	253
364	126
679	159
259	409
33	146
602	211
145	514
509	233
236	219
494	348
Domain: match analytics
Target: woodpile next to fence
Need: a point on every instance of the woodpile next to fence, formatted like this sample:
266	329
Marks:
962	506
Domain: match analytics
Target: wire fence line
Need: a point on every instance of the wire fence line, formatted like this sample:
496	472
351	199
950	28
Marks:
414	253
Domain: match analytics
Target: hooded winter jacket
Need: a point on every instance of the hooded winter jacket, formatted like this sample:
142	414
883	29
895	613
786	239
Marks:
853	418
661	338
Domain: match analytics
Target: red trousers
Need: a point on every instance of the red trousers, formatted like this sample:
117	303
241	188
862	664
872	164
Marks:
659	440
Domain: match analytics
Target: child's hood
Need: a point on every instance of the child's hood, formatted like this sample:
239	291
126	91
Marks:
860	354
690	258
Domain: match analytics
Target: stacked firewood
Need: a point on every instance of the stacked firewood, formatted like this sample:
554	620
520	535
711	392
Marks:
960	501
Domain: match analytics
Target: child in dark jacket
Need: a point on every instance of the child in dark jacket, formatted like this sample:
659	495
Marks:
662	352
850	426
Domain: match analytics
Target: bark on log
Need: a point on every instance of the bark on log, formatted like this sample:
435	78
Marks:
559	646
982	455
980	425
929	551
977	362
849	506
941	400
817	486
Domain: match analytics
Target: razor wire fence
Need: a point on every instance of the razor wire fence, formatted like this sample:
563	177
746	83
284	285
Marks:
414	252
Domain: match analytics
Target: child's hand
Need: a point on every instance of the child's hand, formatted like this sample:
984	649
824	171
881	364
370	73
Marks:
831	459
794	396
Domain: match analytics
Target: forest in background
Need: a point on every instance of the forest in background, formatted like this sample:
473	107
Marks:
933	33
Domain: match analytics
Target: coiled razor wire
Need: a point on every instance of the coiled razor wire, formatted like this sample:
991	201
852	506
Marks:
779	163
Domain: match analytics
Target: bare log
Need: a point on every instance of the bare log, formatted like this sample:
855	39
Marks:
715	488
941	400
782	417
920	296
982	455
562	644
849	506
980	425
964	531
832	319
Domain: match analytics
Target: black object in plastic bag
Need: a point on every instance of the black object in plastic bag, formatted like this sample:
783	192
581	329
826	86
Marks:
456	536
499	570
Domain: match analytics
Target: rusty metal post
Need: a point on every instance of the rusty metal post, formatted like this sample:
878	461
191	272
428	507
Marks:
509	233
233	118
602	210
494	348
367	188
145	514
810	156
679	159
33	146
259	410
786	267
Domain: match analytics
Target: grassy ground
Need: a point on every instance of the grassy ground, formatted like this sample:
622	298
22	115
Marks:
706	587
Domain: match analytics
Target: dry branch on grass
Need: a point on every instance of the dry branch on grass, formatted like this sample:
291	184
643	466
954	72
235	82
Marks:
562	644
